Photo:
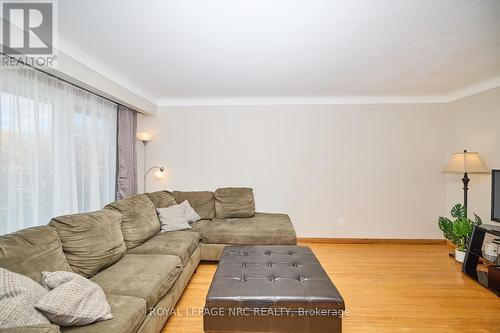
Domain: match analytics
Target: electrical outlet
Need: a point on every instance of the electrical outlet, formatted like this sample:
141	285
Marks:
341	222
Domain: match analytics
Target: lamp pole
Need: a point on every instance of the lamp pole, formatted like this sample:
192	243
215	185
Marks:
466	181
144	166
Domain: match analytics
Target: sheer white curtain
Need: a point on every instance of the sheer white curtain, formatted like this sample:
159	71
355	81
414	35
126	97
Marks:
57	149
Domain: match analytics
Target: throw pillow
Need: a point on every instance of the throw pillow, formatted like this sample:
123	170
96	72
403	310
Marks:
173	218
73	300
18	297
191	214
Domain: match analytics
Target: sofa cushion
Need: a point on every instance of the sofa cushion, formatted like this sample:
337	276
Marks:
91	241
202	202
139	221
148	276
200	226
128	314
31	251
178	243
47	328
261	229
162	199
234	202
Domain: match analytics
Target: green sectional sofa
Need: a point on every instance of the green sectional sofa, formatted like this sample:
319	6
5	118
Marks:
122	250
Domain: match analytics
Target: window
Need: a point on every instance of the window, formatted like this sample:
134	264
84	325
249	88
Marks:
57	149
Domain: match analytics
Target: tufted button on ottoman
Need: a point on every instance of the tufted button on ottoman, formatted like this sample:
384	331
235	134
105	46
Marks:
272	289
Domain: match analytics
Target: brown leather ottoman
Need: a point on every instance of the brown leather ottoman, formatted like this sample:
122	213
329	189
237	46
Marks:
272	289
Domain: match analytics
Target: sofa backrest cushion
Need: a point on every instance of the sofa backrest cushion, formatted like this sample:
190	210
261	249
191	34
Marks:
31	251
91	241
162	199
203	202
139	220
234	202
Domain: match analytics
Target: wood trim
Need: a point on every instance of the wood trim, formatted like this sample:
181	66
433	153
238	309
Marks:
370	241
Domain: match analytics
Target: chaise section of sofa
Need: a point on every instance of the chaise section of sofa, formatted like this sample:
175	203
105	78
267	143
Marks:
261	229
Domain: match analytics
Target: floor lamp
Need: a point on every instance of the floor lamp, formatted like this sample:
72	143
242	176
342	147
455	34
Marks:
145	137
466	163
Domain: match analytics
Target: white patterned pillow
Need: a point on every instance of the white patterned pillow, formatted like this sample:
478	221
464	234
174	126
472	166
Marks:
173	218
18	296
73	300
191	215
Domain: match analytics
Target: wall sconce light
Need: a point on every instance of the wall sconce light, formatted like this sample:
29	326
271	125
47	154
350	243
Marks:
159	173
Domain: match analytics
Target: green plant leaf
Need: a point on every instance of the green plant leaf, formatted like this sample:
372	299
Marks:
459	230
458	211
477	219
462	228
446	227
445	224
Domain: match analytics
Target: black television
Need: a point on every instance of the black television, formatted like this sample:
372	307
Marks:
495	195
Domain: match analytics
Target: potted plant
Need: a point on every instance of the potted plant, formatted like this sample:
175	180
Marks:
459	230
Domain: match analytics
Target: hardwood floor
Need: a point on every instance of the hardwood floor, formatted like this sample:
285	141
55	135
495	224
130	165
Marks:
386	287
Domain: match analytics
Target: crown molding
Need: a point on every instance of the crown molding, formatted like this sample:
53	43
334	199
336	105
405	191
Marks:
339	100
333	100
472	90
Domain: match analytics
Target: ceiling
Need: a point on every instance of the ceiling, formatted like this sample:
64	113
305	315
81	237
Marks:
197	52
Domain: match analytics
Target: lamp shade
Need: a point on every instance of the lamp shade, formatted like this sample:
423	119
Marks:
144	136
466	162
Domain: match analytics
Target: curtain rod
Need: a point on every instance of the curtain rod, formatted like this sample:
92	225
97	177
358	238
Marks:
68	82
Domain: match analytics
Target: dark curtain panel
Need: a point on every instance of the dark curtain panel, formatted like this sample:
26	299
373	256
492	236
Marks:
126	155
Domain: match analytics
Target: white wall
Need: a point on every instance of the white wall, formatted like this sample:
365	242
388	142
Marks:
474	124
378	167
